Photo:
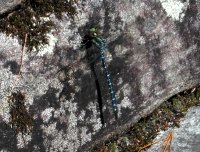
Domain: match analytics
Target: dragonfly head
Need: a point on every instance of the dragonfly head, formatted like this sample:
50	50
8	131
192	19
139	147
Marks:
93	31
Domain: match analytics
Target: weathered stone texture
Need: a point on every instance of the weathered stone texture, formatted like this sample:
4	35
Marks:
187	137
8	5
151	56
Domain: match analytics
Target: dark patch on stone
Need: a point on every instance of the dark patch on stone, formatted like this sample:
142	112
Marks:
155	58
2	56
47	100
40	104
87	93
37	137
118	22
140	21
109	9
187	29
183	1
66	91
14	66
61	126
194	57
8	138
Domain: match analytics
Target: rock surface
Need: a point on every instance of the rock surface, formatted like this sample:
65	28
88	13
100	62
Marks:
187	137
152	54
7	6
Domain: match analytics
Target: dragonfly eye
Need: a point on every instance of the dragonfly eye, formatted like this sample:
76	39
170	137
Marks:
95	34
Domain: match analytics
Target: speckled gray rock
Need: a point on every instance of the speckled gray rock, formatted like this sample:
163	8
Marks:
153	53
187	137
8	5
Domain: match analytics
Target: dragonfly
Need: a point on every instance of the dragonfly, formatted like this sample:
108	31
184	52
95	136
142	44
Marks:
94	39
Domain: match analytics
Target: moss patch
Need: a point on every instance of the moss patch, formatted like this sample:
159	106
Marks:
166	115
20	119
29	20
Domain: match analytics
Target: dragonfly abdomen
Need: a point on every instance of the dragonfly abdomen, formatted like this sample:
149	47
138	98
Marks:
109	81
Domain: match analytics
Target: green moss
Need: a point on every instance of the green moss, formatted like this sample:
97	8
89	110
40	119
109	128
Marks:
20	119
28	20
113	147
166	115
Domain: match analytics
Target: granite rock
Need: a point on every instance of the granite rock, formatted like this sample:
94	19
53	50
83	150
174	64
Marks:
7	6
152	53
185	138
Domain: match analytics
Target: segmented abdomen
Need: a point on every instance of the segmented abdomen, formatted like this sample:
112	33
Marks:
109	81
